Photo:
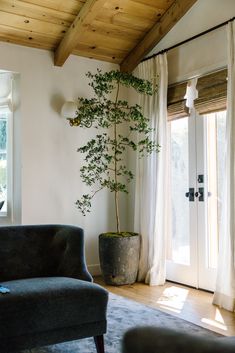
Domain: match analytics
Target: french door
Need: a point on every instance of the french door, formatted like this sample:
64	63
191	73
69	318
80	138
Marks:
196	161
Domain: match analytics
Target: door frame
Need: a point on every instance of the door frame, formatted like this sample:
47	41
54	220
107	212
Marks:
198	274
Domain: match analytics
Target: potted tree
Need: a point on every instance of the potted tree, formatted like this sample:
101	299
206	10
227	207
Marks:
104	162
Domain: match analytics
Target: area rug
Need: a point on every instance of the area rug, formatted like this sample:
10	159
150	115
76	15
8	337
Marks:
122	315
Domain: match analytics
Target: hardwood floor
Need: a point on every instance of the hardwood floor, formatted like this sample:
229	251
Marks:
187	303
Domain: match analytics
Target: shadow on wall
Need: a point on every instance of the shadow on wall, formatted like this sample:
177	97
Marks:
57	101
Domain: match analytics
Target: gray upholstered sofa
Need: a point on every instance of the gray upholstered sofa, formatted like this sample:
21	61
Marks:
163	340
52	298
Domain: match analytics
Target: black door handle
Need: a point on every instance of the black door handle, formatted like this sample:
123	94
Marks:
200	194
190	194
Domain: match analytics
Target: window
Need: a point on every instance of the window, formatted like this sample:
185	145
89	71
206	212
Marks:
7	136
4	118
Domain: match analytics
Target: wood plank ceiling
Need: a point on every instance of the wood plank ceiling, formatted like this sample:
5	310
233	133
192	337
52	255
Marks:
118	31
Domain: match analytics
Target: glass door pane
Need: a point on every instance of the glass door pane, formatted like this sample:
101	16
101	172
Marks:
179	181
182	217
211	163
215	157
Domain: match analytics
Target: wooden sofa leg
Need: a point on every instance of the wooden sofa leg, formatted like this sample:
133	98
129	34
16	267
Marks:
99	343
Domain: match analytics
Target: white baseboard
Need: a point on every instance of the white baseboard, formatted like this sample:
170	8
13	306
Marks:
94	269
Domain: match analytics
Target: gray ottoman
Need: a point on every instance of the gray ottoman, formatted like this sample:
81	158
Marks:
163	340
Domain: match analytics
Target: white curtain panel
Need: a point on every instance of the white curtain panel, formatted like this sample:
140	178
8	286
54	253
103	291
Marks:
225	287
151	178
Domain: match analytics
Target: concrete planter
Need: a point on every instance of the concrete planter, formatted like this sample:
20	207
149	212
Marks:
119	257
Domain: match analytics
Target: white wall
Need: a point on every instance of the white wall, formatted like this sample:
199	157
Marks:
50	181
204	54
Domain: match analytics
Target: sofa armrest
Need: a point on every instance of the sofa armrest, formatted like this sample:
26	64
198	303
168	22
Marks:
163	340
69	243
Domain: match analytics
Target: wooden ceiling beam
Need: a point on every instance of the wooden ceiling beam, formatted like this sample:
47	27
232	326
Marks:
177	10
71	39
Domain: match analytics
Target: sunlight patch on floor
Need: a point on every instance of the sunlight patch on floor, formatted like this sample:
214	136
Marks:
218	316
173	299
218	322
166	307
214	324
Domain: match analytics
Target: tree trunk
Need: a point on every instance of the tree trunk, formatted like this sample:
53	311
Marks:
115	170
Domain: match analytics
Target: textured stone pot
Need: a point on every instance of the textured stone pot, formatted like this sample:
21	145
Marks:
119	257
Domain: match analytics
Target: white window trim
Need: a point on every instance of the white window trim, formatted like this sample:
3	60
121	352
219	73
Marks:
11	102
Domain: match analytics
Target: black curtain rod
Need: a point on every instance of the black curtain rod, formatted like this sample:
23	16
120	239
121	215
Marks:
189	39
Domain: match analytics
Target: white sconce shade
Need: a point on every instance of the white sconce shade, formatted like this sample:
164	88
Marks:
69	109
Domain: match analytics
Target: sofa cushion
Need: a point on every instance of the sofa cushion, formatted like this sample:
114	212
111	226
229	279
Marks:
44	304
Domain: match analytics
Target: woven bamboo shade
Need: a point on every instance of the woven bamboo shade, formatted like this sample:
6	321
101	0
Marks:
176	103
212	93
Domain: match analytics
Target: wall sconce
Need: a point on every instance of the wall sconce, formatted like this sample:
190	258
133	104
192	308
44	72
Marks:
69	110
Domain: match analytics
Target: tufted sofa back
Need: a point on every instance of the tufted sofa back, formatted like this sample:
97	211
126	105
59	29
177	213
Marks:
28	251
